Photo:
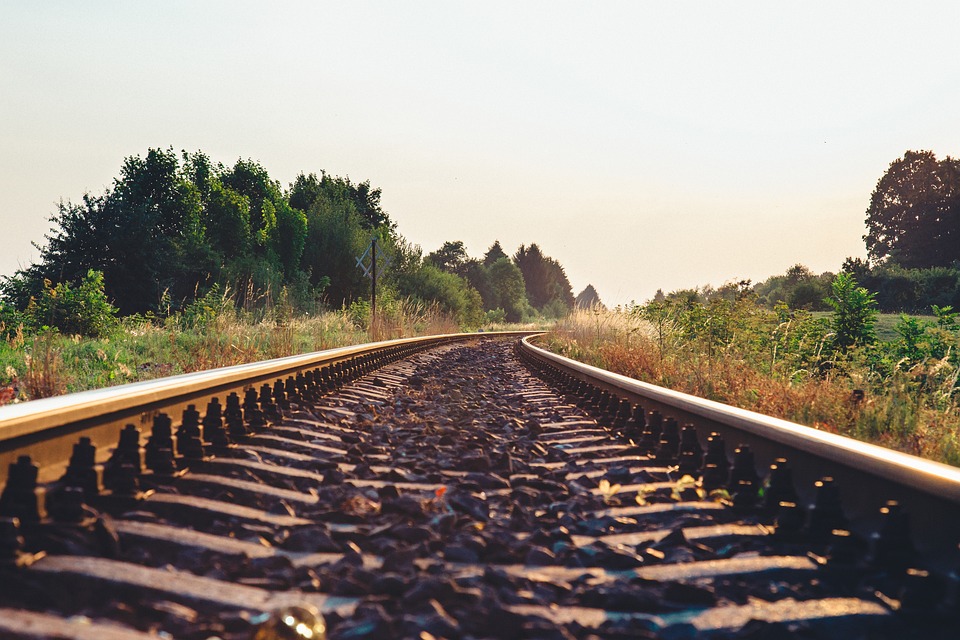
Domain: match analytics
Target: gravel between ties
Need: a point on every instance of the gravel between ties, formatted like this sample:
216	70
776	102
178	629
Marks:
455	495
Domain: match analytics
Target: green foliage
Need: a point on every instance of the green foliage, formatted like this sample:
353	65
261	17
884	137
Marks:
11	320
206	309
799	287
361	199
914	215
784	343
289	238
782	362
170	227
543	277
82	310
495	316
451	292
507	290
911	346
946	317
588	298
334	239
854	312
494	253
175	233
502	283
554	309
910	290
451	257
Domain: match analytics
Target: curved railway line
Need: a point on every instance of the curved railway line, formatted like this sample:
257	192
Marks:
470	486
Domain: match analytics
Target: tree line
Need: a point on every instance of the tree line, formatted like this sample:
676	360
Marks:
912	242
174	227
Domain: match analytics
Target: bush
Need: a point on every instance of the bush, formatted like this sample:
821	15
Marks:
495	316
82	310
214	304
11	320
854	312
450	291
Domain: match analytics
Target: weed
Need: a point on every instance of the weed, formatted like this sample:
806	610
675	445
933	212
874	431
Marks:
786	364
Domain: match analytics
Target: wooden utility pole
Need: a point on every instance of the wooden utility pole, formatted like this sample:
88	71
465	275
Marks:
371	272
373	287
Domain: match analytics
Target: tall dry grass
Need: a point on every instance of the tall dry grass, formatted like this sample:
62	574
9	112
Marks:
756	368
52	364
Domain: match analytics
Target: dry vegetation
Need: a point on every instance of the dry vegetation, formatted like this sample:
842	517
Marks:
51	363
781	364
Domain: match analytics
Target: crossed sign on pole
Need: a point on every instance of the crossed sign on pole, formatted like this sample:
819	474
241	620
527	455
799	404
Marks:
384	261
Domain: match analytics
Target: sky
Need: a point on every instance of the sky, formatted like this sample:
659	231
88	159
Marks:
644	145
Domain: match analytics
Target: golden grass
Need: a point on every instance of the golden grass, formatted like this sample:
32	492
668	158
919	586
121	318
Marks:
896	411
52	364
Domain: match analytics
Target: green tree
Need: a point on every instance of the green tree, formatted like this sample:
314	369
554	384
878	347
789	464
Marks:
250	179
82	310
544	278
914	213
911	344
289	238
494	253
507	289
227	221
946	317
145	235
450	257
450	291
335	238
305	191
588	298
854	313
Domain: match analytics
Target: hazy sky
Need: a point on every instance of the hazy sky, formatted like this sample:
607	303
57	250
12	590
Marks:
644	145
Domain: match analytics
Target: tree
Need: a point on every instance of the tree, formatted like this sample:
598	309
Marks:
367	202
914	213
507	289
450	257
854	312
82	310
799	288
145	235
588	298
304	191
363	199
289	238
448	290
478	276
227	221
335	238
545	279
494	253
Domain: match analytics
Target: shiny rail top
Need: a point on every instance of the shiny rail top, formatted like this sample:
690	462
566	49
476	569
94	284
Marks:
927	476
34	427
866	475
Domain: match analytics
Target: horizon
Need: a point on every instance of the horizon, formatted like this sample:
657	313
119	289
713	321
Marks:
644	147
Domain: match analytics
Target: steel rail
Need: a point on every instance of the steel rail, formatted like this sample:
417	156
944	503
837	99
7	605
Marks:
46	429
869	475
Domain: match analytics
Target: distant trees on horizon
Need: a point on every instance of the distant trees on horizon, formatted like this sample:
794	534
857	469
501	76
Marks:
912	241
173	227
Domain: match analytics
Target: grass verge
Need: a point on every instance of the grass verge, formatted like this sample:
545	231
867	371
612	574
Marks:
754	359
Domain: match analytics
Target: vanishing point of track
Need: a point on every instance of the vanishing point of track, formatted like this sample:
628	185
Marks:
457	487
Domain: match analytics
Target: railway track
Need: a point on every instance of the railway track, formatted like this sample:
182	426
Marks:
457	488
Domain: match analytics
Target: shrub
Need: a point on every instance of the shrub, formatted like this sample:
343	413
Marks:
82	310
448	290
214	304
854	312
